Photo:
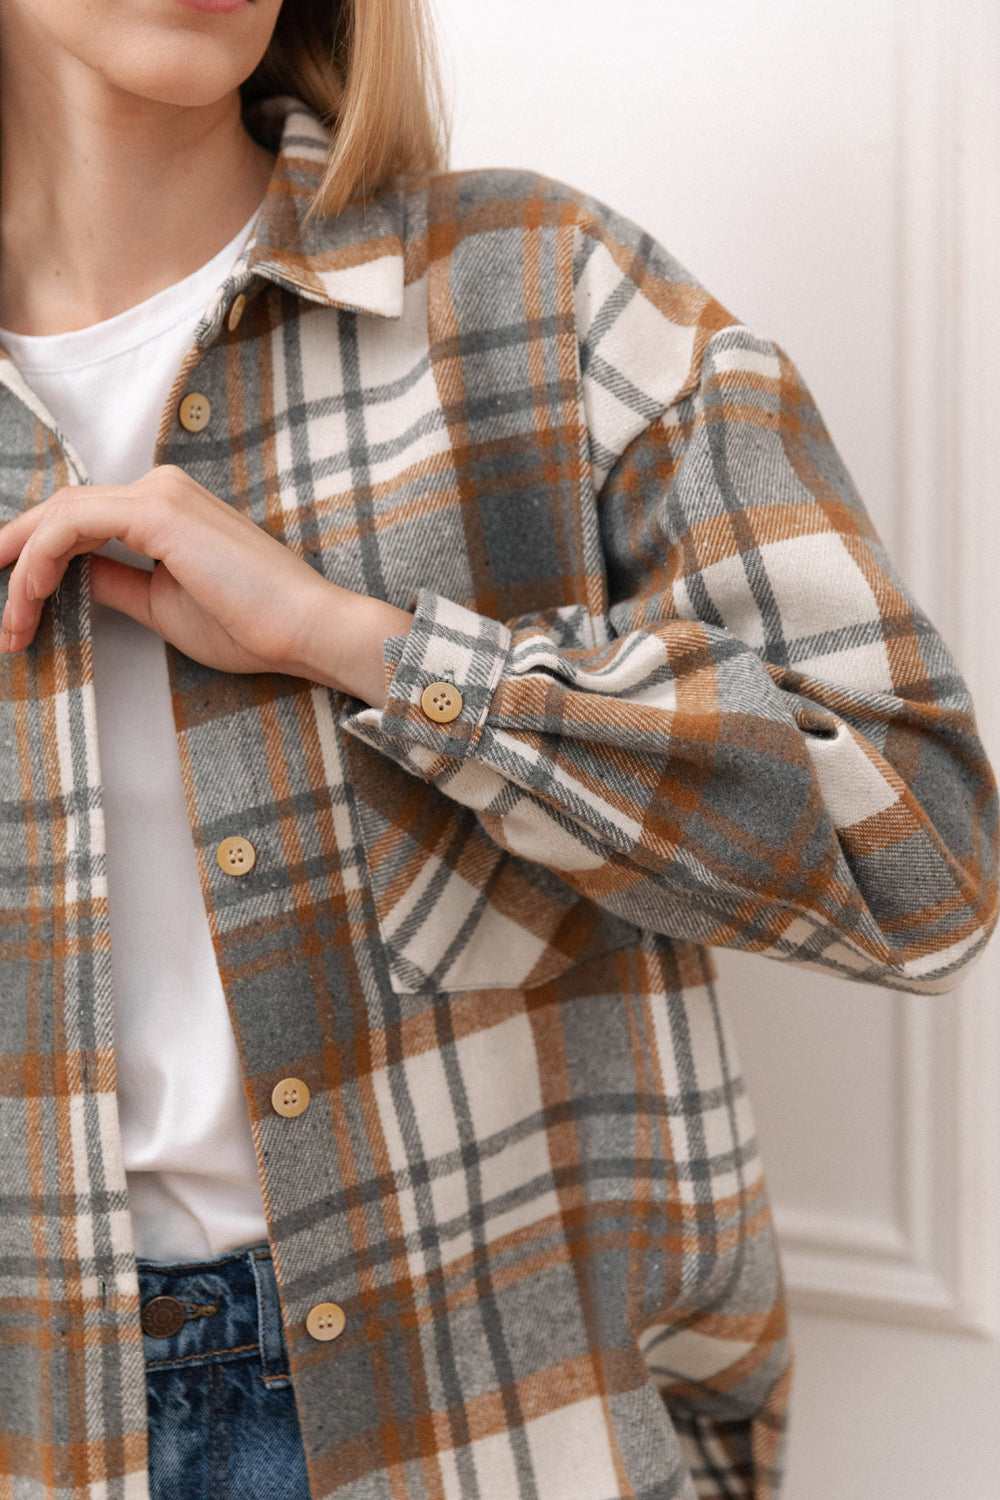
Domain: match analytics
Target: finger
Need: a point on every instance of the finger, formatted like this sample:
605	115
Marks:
115	584
72	521
36	575
22	609
20	617
11	641
76	521
121	587
14	534
92	514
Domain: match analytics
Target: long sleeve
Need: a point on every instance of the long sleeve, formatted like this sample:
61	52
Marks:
760	742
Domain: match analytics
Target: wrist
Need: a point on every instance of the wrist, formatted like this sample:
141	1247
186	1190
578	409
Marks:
345	643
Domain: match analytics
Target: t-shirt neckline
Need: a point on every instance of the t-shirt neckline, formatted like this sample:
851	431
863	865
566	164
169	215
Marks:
41	354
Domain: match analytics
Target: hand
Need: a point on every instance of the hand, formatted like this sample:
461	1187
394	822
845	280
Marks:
223	591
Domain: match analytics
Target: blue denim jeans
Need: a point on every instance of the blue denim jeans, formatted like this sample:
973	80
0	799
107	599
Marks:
222	1419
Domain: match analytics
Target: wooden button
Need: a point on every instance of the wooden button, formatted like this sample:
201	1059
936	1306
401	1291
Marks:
194	412
290	1098
441	702
236	856
236	312
162	1317
817	723
326	1321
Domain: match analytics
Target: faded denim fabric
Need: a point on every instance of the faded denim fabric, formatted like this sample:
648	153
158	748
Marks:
222	1418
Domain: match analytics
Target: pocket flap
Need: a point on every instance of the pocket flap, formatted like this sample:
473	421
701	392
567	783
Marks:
456	911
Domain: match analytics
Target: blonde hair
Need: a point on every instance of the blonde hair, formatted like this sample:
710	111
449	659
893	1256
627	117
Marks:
367	68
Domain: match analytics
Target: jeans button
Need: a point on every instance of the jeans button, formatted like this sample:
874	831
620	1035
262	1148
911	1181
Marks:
162	1317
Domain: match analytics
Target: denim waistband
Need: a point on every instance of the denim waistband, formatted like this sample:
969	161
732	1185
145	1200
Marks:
215	1311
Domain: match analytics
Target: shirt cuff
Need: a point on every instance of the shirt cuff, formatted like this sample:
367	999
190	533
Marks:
446	644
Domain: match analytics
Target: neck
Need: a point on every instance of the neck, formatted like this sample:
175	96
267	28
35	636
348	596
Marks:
108	199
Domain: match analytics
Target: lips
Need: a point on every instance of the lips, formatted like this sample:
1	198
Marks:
216	7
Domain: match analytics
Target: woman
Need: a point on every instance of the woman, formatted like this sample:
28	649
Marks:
497	617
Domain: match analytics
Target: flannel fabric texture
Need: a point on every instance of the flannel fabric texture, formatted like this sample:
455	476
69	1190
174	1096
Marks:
699	708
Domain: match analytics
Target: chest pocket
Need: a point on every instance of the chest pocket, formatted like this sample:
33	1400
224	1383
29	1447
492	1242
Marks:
455	911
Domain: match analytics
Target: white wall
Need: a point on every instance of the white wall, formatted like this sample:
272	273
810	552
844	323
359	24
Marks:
713	125
832	173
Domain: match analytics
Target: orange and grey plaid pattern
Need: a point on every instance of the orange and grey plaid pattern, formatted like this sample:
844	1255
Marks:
698	708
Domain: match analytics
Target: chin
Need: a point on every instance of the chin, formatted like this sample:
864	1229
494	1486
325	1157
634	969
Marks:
195	73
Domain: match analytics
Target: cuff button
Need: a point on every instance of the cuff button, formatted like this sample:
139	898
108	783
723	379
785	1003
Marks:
441	701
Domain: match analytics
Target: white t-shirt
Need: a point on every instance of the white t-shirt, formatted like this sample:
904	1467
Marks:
189	1156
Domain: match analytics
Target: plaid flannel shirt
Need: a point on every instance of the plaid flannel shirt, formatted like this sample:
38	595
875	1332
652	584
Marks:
698	707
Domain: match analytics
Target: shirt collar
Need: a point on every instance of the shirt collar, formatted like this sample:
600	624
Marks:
353	259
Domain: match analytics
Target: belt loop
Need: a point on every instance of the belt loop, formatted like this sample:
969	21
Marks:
273	1358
